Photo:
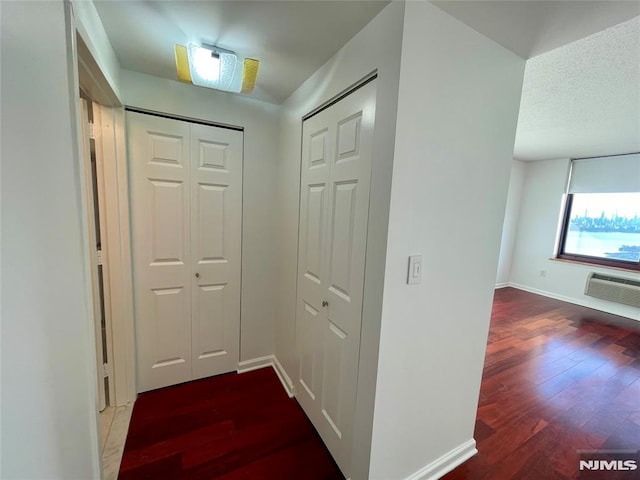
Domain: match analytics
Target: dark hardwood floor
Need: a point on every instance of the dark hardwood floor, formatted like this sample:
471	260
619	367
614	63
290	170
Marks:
231	427
558	378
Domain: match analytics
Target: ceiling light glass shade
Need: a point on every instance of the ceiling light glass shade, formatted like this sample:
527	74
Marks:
214	67
205	65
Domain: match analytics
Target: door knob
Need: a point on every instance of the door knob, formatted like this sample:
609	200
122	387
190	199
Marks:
197	275
325	303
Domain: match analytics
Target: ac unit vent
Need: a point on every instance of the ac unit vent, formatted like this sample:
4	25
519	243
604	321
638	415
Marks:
614	289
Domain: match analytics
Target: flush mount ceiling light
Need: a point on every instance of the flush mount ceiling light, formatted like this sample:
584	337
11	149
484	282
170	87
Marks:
213	67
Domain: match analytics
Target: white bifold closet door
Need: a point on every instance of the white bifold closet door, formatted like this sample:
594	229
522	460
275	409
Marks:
334	206
186	220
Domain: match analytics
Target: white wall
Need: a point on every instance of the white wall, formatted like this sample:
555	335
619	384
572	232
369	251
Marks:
457	113
540	211
510	225
259	229
377	46
49	401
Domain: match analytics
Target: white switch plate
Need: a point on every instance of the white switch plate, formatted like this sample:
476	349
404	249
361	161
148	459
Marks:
414	275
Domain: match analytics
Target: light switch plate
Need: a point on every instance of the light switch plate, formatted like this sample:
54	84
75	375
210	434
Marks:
414	275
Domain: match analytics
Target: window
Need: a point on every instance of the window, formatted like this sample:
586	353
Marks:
604	226
601	222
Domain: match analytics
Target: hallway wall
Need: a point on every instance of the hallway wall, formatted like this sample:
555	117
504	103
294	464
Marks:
457	113
49	391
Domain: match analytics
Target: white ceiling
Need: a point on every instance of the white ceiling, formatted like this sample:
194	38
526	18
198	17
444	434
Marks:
529	28
579	100
292	39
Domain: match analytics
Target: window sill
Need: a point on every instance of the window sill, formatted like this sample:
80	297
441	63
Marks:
585	263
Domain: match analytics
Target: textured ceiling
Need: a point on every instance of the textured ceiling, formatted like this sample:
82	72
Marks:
292	39
583	99
529	28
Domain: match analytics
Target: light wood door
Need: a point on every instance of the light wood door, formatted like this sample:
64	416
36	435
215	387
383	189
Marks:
334	206
186	203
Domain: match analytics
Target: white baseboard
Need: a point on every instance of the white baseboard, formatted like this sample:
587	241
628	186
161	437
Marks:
446	463
502	285
268	361
284	378
255	364
545	293
564	298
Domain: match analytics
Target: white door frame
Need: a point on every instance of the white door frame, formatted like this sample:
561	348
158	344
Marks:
112	171
112	161
89	196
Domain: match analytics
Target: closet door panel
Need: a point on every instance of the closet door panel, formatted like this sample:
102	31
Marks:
216	238
160	180
352	119
317	151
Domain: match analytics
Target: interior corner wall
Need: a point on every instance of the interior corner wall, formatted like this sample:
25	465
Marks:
457	112
92	31
510	225
49	392
540	212
376	47
259	210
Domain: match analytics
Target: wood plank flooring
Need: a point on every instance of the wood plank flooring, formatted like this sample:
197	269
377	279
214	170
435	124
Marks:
230	427
557	378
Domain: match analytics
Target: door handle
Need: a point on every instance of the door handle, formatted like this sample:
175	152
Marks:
197	275
325	303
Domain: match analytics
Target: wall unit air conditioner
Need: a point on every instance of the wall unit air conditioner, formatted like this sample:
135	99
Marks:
614	289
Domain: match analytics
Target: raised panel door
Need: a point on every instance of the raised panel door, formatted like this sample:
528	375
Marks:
335	180
216	229
186	200
160	224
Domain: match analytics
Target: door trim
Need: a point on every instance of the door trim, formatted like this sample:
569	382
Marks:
182	118
113	169
345	93
111	152
91	192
